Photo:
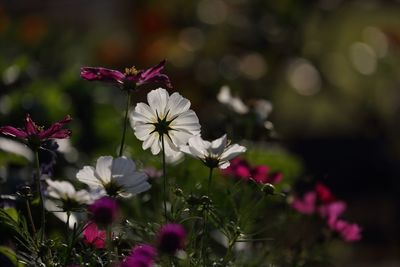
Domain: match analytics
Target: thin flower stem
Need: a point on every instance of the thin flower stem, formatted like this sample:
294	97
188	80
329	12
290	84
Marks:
128	103
165	177
41	203
205	221
209	181
67	223
109	243
28	208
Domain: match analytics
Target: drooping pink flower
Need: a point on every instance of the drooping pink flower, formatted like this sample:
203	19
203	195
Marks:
93	236
170	238
332	211
104	211
130	79
307	204
36	135
260	174
350	232
142	255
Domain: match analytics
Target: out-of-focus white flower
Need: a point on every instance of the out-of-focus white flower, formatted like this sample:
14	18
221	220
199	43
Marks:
114	177
235	103
64	198
16	148
262	108
213	154
168	117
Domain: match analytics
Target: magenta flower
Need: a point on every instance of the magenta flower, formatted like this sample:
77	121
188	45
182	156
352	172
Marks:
307	204
350	232
332	211
130	78
141	256
36	135
261	174
171	238
104	211
93	236
324	193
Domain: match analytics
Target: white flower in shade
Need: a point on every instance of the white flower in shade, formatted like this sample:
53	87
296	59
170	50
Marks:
166	116
64	198
213	154
114	177
235	103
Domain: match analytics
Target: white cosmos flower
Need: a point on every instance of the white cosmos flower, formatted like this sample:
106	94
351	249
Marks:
63	197
213	154
114	177
166	116
235	103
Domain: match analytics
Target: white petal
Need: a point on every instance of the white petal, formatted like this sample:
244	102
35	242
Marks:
142	131
60	189
218	145
150	141
135	183
87	176
142	112
103	168
232	151
123	166
224	164
158	100
156	146
170	148
177	104
224	96
174	159
52	207
197	143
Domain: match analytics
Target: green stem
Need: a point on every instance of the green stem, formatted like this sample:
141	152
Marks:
128	103
41	203
205	219
67	223
109	243
28	207
165	177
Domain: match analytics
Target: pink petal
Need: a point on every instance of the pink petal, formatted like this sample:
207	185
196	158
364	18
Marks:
93	236
350	232
307	204
260	173
102	74
153	75
30	127
15	132
324	193
55	131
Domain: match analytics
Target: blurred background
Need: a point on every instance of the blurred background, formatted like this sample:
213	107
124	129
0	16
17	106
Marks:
330	68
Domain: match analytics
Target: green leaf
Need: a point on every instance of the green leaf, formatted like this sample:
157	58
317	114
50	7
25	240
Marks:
10	254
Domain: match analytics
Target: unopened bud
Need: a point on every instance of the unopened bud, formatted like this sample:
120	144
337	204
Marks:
268	189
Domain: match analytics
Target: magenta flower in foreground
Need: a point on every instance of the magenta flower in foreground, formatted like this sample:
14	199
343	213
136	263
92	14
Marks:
171	238
104	211
93	236
130	78
141	256
35	134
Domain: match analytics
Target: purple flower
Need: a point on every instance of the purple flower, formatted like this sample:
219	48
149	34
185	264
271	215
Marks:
104	211
129	79
171	237
36	135
141	256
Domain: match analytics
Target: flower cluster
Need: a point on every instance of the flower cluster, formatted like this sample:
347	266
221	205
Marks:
321	201
241	169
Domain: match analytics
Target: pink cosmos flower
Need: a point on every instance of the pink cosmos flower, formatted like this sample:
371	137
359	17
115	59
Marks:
141	256
332	211
36	135
171	237
93	236
129	79
324	193
104	211
261	173
307	204
350	232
